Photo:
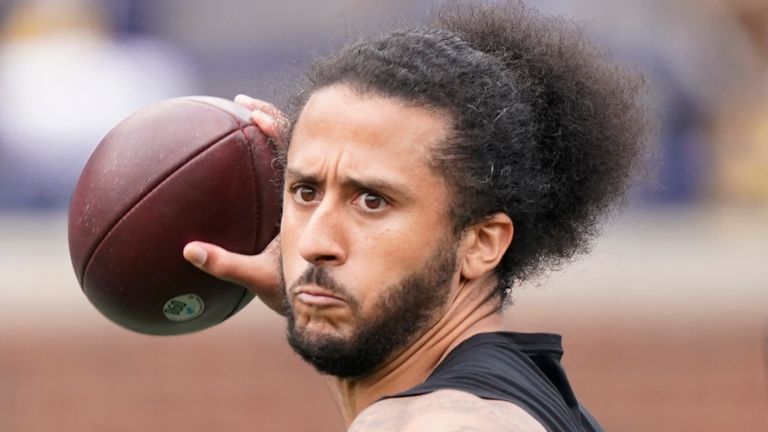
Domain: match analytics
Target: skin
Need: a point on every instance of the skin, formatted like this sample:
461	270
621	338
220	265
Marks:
361	200
353	200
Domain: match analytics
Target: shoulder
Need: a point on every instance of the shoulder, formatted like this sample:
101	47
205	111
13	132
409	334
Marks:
444	411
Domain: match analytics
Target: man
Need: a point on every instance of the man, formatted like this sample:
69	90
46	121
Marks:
426	172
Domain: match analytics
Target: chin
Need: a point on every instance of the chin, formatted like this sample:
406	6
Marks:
315	326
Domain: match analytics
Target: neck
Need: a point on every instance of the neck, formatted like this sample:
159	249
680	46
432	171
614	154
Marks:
474	309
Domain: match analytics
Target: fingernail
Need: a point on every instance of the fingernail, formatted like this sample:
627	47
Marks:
195	254
243	99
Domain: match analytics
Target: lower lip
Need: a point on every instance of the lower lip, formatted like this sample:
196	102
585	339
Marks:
319	300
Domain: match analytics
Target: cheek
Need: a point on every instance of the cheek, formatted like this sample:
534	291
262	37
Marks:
292	263
402	242
381	258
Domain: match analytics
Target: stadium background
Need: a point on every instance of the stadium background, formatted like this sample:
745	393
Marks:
665	321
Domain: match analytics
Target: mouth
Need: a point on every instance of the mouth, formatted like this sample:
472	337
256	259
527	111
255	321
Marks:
312	295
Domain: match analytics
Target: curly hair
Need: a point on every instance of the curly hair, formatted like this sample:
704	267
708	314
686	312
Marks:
544	127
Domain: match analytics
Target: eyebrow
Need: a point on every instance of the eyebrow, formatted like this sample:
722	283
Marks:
370	183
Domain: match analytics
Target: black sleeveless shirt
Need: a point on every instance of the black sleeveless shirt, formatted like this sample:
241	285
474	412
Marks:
520	368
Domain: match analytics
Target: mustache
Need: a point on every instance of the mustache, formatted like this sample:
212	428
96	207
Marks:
319	276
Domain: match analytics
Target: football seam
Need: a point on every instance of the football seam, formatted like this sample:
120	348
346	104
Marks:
257	210
252	164
256	196
148	192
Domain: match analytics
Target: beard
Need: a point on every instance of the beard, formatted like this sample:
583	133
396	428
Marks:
408	307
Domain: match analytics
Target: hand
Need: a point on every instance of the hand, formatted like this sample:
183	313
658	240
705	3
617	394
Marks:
257	273
267	117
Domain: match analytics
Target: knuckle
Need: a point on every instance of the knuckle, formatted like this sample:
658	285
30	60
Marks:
224	270
218	266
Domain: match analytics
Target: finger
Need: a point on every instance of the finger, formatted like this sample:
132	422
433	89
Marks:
269	119
254	104
254	272
274	128
267	124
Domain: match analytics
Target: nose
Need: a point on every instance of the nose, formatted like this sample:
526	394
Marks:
322	240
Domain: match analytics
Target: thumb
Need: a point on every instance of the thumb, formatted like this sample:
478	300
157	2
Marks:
257	273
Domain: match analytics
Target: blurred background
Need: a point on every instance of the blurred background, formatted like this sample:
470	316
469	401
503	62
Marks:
665	321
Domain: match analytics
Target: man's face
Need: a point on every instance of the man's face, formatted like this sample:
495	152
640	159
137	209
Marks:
368	254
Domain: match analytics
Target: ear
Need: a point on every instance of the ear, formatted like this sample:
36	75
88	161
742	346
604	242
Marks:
484	244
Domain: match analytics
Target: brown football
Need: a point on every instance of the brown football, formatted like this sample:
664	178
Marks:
193	168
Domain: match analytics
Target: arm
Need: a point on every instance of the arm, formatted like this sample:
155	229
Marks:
444	411
257	273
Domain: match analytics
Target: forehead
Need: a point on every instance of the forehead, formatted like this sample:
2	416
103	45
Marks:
344	129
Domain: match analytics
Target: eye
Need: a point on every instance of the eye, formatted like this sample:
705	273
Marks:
372	202
304	194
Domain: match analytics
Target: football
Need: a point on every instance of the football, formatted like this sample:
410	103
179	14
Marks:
192	168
